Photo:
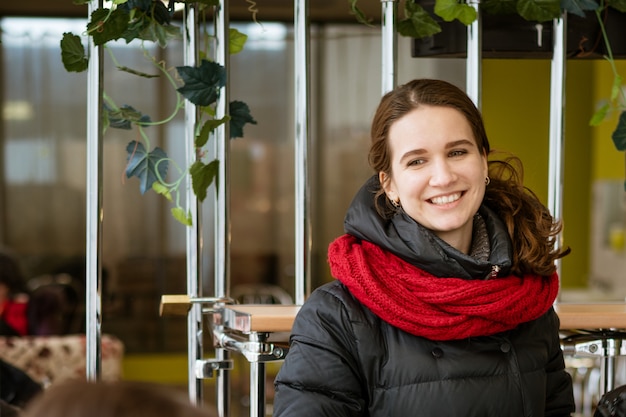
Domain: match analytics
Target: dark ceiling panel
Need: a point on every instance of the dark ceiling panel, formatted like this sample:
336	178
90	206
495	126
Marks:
268	10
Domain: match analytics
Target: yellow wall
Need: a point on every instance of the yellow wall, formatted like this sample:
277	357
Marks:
162	368
516	107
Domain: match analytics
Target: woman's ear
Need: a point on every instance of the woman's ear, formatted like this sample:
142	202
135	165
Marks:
385	183
486	163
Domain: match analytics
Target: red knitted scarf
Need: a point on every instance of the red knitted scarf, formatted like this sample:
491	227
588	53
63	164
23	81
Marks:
436	308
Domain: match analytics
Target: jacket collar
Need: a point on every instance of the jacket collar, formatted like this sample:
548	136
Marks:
412	242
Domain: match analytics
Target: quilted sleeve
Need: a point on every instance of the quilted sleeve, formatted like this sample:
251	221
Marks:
321	374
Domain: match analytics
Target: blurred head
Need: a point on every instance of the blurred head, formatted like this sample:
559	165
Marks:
11	277
79	398
430	149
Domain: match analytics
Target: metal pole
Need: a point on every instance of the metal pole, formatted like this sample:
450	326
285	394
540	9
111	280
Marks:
194	318
557	106
222	209
389	45
473	64
257	382
94	208
257	389
302	226
611	350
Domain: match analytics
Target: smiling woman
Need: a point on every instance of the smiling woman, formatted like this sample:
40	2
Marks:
446	278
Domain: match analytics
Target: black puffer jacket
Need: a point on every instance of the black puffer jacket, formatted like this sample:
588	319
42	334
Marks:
346	361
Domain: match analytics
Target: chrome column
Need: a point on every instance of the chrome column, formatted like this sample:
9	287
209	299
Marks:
222	203
389	45
302	112
473	64
94	213
194	318
557	117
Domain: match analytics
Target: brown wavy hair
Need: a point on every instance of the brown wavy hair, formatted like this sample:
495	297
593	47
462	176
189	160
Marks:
533	230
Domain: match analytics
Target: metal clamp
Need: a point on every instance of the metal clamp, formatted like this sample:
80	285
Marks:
204	368
597	348
598	343
254	346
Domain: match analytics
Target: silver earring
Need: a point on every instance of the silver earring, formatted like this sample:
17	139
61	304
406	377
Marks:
487	180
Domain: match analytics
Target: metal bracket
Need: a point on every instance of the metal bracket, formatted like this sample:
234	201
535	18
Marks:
596	344
254	346
204	368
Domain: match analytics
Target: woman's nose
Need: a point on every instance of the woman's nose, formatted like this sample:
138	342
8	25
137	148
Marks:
442	174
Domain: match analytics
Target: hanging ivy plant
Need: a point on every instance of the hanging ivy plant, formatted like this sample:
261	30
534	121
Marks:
151	21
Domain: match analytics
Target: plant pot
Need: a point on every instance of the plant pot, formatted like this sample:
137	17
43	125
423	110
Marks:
511	36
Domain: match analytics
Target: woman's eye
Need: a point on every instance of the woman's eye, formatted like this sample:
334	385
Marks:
416	162
458	152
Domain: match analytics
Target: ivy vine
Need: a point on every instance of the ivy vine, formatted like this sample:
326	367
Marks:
151	21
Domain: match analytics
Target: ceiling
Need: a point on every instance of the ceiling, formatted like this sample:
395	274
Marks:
268	10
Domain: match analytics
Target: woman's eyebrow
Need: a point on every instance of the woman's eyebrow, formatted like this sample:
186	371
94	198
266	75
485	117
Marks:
459	142
412	153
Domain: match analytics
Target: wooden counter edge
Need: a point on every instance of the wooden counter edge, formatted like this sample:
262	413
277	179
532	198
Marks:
174	305
591	316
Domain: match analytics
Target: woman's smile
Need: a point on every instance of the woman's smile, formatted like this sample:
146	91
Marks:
445	199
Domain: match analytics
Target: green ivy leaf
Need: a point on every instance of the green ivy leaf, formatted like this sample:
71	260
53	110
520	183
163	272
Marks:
161	189
144	165
135	29
600	115
123	117
73	53
237	41
539	10
578	7
202	176
202	84
159	12
150	21
619	135
418	23
160	34
182	216
239	116
208	127
617	5
105	27
449	10
154	9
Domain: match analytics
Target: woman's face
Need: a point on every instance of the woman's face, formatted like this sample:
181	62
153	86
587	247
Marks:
437	172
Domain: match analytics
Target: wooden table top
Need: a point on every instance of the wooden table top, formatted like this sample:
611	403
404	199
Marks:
280	318
260	317
590	316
